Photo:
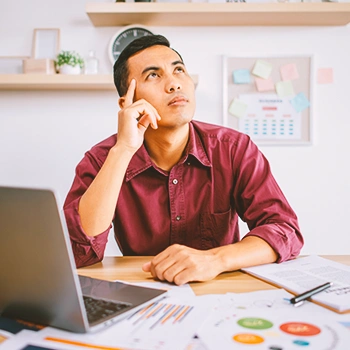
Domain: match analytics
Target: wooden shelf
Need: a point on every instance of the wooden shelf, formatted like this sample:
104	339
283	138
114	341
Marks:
56	82
219	14
60	82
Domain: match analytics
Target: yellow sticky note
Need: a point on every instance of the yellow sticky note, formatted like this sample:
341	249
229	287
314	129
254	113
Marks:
285	88
262	69
237	108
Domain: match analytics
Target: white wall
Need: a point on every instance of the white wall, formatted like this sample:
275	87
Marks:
44	134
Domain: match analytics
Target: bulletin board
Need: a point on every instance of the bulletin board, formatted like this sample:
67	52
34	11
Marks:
268	116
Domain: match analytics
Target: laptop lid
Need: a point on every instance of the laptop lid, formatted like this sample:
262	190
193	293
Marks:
38	281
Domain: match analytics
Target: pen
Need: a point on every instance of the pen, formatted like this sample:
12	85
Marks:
301	297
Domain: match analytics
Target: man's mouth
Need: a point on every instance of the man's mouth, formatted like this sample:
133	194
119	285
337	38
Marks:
177	101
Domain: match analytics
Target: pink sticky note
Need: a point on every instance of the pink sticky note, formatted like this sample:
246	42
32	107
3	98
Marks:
289	72
325	76
264	84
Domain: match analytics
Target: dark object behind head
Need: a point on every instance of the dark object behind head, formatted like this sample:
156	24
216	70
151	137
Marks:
121	69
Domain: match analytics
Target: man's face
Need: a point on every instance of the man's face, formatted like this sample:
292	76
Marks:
163	81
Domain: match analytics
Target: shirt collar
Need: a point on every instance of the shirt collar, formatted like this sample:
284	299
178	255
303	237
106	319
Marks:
141	160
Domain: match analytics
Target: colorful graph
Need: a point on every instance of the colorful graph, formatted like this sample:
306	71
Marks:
156	326
275	330
160	314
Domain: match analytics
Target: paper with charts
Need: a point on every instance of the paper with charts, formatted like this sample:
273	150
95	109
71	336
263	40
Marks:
156	326
305	273
235	328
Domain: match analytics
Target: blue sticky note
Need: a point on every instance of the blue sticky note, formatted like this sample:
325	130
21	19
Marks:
241	76
300	102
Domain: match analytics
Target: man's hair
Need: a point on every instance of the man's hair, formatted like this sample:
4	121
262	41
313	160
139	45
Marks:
121	68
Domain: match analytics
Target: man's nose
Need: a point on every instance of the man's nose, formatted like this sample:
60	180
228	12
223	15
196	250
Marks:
173	85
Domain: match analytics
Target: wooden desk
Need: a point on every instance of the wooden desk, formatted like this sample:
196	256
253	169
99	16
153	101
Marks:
129	269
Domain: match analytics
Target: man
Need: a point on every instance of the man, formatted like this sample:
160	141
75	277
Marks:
173	187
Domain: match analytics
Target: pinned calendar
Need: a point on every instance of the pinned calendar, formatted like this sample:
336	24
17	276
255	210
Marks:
276	94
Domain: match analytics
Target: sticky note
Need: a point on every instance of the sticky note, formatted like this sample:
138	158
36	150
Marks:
289	72
241	76
264	84
284	88
300	102
237	108
262	69
325	76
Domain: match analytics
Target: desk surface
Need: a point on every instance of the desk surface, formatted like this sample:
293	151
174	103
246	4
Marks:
128	268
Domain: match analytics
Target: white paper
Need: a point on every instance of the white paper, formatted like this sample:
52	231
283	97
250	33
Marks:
235	328
303	274
169	324
269	116
183	291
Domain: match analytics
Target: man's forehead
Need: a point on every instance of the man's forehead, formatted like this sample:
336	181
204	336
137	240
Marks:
155	55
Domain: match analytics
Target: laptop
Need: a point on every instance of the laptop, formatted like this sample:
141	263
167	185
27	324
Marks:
38	279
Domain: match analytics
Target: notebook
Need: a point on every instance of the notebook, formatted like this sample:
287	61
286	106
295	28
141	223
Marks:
38	279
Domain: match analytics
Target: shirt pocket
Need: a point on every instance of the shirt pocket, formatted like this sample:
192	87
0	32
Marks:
216	229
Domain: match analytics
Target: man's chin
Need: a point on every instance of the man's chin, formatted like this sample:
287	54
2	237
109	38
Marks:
175	122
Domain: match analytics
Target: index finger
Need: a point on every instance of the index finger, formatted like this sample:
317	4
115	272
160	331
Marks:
129	96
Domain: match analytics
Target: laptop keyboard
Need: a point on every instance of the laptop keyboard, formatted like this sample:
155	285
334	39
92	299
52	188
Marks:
99	309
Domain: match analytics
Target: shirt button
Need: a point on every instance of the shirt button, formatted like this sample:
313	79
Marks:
175	182
188	163
178	218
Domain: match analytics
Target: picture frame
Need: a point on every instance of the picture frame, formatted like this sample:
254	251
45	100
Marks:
12	64
269	128
46	43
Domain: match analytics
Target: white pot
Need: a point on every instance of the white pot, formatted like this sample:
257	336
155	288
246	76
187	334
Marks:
67	69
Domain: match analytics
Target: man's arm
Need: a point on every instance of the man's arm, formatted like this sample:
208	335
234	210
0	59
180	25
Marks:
180	264
97	205
90	204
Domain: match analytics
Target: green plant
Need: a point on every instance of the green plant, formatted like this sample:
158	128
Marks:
71	58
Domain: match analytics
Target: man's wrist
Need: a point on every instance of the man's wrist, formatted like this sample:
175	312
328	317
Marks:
223	258
121	150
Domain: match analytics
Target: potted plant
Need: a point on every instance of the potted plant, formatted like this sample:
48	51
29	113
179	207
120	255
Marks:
69	62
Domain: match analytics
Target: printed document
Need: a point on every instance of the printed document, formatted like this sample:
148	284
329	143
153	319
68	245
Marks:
303	274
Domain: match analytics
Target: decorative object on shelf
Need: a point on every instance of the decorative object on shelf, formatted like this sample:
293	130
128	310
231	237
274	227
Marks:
46	43
123	37
69	62
45	46
11	64
39	66
91	63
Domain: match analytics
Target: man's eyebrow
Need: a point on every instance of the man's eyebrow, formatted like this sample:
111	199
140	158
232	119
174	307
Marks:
175	63
147	69
155	68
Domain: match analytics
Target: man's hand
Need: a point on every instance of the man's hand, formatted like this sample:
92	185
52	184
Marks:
180	264
134	118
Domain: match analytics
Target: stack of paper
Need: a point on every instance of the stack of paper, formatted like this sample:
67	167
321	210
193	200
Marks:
300	275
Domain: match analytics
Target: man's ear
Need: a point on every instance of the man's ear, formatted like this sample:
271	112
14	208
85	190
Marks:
121	102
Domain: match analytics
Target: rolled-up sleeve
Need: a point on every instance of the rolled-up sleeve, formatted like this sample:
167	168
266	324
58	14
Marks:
87	250
262	205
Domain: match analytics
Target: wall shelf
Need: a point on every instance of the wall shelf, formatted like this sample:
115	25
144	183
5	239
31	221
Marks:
219	14
60	82
56	82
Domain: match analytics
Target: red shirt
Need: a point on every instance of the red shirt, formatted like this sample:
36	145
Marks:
221	175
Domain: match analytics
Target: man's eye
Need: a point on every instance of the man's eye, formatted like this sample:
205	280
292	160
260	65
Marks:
179	69
152	75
